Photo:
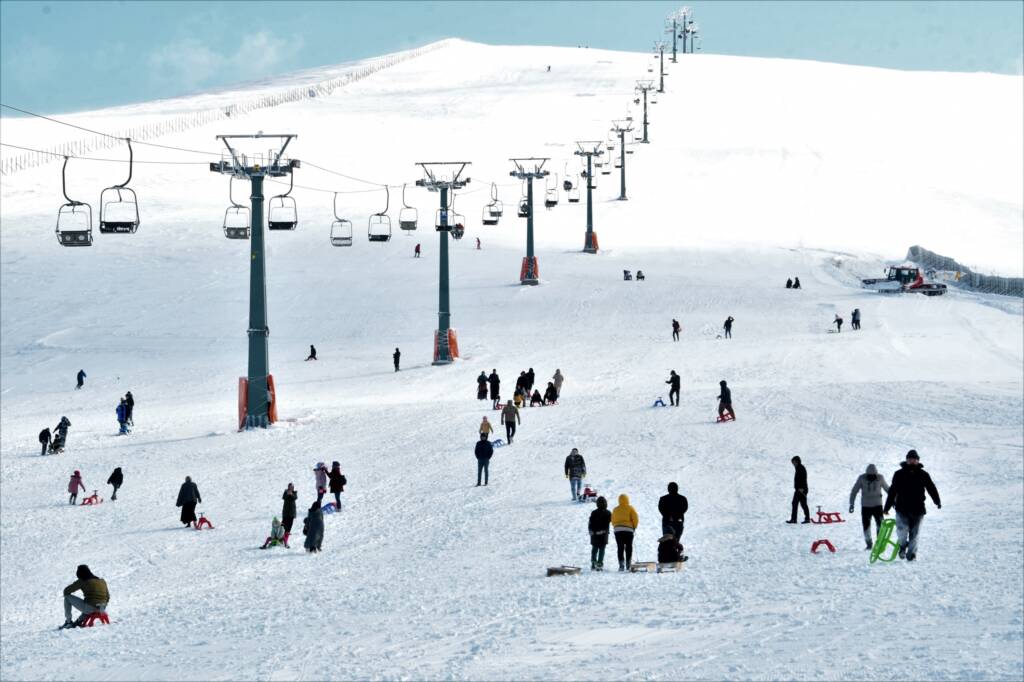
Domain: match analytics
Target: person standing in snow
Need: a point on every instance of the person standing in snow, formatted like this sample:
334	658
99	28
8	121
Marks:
484	451
288	510
122	418
838	322
728	327
44	440
481	386
510	415
116	479
486	429
74	485
416	252
600	520
530	378
870	485
396	356
575	471
478	243
62	434
521	382
320	471
909	484
624	522
495	383
673	511
313	528
557	380
799	491
337	483
188	498
129	403
673	391
725	400
95	593
81	379
312	353
855	319
675	330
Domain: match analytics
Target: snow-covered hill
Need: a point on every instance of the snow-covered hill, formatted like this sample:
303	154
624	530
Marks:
758	170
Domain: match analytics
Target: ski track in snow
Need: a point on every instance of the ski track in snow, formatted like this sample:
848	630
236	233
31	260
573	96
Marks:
423	575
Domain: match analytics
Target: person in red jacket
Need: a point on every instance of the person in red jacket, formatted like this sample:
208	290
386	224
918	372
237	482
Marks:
74	485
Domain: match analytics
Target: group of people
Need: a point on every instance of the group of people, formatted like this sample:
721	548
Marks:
124	412
54	443
326	480
854	320
524	393
76	484
622	521
724	396
793	283
628	276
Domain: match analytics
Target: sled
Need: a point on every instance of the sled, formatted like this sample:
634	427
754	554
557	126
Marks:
90	620
91	500
497	443
727	417
671	567
659	403
203	522
588	495
643	567
329	508
828	517
884	540
563	570
822	543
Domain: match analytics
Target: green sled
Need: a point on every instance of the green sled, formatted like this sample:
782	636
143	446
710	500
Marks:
884	541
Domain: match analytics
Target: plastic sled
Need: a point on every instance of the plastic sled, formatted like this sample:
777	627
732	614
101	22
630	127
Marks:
91	500
203	522
822	543
497	443
588	495
91	619
563	570
643	567
883	541
727	417
659	403
329	508
828	517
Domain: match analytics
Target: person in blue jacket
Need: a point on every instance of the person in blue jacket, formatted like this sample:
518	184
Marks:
122	417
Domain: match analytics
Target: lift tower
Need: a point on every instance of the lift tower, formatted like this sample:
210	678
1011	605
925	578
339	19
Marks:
589	149
257	408
446	346
644	87
620	128
660	47
526	170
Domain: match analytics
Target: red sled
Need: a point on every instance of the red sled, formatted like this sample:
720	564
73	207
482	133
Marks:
727	417
825	543
92	499
203	522
91	619
828	517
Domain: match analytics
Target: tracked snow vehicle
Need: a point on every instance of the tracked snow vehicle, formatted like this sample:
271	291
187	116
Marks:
902	279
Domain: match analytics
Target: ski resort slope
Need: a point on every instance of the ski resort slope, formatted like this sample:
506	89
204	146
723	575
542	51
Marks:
755	173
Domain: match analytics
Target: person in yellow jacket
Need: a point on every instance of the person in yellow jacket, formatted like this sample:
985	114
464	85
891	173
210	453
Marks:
96	594
486	429
624	523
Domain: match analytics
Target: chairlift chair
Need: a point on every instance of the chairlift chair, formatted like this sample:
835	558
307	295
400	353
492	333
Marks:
120	215
524	209
574	195
488	218
379	224
237	220
341	229
74	219
458	221
283	212
408	216
551	198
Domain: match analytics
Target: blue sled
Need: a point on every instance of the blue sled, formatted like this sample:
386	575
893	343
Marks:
659	403
328	508
497	443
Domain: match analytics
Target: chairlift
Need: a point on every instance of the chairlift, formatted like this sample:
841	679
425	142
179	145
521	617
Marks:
497	208
567	182
74	219
458	221
236	218
574	195
408	216
551	198
379	224
120	215
524	208
341	229
283	213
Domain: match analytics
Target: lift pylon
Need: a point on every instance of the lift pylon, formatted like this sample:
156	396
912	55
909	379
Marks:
526	169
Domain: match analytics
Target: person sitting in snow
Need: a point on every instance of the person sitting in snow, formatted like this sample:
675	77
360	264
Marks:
276	536
96	594
669	550
536	399
550	394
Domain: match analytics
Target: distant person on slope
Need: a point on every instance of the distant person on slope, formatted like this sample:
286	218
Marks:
60	440
486	429
673	511
600	519
536	399
495	383
116	479
122	418
624	523
396	356
95	593
675	330
673	391
870	485
416	252
725	400
81	379
320	471
188	498
575	471
312	353
909	484
557	380
74	485
728	327
789	284
129	402
510	416
799	491
478	243
481	386
288	510
44	440
855	318
313	528
484	451
337	483
838	322
550	394
531	377
796	282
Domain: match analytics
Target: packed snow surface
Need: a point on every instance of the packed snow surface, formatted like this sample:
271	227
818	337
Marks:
758	170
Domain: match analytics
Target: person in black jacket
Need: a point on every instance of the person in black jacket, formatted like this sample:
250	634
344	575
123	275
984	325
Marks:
484	452
728	327
531	377
81	379
116	479
550	394
312	353
575	471
669	550
906	493
675	330
44	440
288	510
725	400
396	356
495	381
789	284
481	386
129	402
799	491
600	520
673	511
673	391
188	498
337	483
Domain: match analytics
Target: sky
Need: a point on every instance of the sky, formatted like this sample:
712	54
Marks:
69	56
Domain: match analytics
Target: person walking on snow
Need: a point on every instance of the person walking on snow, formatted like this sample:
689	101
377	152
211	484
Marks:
909	484
624	523
312	353
673	511
600	520
728	327
510	415
122	418
320	471
530	378
396	356
870	485
725	400
116	479
129	403
675	330
74	485
838	322
313	528
95	593
673	391
799	491
288	511
44	440
557	380
550	395
486	429
188	498
575	471
276	534
855	319
416	252
337	483
478	243
481	386
81	379
484	451
495	383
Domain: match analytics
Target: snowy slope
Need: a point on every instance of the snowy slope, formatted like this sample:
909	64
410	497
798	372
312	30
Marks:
758	170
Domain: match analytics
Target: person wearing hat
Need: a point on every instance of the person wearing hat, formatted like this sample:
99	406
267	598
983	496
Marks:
74	485
510	415
188	498
575	471
909	484
337	482
483	451
800	490
320	470
870	485
725	400
96	594
624	524
673	391
116	479
600	520
290	496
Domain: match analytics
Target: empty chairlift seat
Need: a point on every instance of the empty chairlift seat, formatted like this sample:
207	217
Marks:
119	207
283	213
74	219
341	232
237	222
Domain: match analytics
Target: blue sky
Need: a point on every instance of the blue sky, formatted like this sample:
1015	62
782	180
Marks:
65	56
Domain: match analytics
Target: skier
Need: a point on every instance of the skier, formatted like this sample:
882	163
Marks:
484	451
276	536
799	491
481	386
557	380
116	479
673	392
337	483
909	484
531	377
313	528
728	327
624	522
312	353
122	418
416	252
396	356
575	471
550	394
510	415
188	498
725	400
62	435
495	383
536	399
855	318
320	470
288	510
669	550
796	282
673	511
44	440
675	330
600	519
74	485
129	403
838	322
486	429
96	594
81	379
870	485
789	284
